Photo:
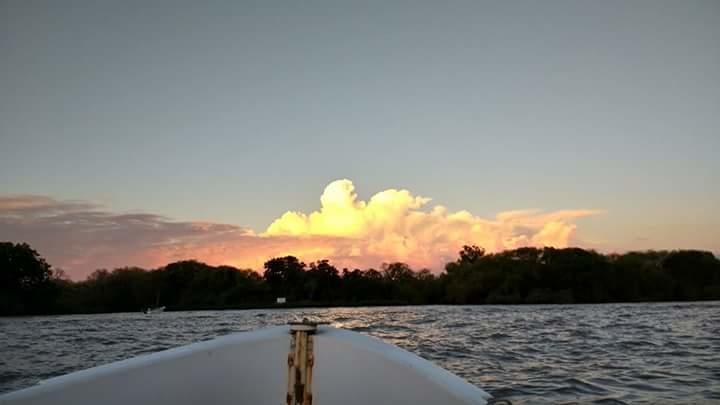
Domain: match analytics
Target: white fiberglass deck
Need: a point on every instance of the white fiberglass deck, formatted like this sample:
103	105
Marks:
251	368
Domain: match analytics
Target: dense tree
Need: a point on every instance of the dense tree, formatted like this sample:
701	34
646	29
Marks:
522	276
285	276
694	272
363	286
25	280
322	281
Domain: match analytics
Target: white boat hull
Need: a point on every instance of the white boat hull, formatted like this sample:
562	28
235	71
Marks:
251	368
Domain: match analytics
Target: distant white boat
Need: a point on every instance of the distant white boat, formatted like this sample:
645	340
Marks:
269	366
154	310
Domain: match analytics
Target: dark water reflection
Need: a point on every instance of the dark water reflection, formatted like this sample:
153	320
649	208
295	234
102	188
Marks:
605	354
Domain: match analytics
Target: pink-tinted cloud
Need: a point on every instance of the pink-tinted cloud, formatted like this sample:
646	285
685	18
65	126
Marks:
393	225
81	237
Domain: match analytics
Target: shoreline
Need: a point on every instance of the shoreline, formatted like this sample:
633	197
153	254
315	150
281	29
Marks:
358	305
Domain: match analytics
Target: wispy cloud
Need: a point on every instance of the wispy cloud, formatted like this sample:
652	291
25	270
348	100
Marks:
392	225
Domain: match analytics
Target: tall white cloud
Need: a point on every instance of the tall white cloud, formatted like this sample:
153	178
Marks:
396	225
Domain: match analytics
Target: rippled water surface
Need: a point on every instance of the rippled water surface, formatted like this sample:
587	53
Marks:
618	353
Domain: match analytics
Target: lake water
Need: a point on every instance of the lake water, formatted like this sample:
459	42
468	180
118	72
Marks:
606	354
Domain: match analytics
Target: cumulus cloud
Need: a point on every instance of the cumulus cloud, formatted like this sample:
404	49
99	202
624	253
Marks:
393	225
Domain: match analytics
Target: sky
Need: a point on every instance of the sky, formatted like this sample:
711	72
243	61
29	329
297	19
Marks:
138	132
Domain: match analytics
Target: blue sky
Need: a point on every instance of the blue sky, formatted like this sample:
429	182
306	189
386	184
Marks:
236	111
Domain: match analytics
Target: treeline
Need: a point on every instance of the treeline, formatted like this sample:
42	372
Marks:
29	285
